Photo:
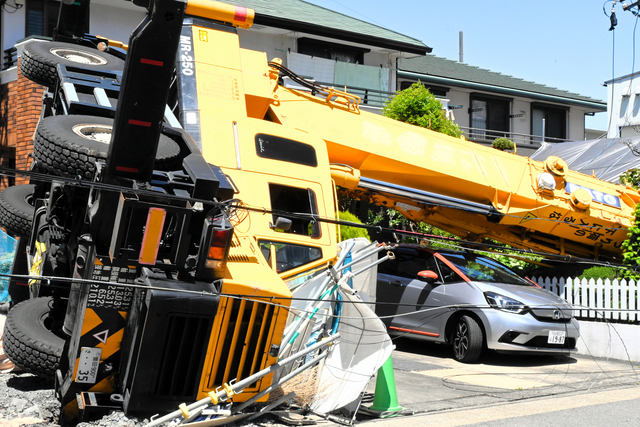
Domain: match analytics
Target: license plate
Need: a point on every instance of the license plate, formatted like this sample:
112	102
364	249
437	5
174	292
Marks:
88	366
556	337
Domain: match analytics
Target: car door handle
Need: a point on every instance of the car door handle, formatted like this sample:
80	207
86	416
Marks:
397	283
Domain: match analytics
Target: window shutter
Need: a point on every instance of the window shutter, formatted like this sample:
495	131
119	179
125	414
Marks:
35	18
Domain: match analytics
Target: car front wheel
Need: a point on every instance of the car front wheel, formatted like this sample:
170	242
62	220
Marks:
467	340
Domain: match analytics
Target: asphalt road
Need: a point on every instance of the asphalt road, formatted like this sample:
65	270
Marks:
435	390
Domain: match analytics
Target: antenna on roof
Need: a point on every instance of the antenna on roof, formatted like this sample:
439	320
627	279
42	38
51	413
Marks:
461	47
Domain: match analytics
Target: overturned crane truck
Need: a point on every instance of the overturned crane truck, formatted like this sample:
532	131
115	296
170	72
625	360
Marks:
181	238
192	190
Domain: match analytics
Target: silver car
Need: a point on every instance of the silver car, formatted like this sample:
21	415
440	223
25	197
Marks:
471	302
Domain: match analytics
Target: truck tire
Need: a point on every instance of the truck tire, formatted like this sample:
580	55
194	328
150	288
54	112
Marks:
16	209
39	59
28	342
71	145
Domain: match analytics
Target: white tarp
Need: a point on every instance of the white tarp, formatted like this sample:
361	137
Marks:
363	347
365	282
364	344
605	158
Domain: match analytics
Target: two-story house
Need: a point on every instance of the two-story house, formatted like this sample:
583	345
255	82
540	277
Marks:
314	42
329	47
487	105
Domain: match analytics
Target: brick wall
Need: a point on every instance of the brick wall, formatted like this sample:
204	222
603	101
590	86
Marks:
20	105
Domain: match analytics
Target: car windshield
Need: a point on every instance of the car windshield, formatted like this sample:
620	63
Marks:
480	268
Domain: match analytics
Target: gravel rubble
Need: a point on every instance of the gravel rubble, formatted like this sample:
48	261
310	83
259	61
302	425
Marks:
26	398
29	400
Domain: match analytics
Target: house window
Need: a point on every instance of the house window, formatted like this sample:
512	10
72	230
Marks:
548	121
335	51
42	16
489	114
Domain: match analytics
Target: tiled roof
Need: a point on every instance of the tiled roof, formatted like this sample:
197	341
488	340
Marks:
298	13
431	65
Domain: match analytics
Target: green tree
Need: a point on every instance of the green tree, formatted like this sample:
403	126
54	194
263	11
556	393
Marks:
631	246
348	232
417	106
387	217
503	144
631	177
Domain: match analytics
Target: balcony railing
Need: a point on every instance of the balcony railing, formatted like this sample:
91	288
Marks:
10	58
520	139
368	97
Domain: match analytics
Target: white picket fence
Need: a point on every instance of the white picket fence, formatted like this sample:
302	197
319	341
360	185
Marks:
597	299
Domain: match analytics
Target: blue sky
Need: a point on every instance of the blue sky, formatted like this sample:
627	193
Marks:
563	44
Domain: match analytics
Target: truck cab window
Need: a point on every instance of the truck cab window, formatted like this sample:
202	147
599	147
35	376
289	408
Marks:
285	150
297	205
289	256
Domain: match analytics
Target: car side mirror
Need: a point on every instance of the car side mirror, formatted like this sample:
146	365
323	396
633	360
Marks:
428	275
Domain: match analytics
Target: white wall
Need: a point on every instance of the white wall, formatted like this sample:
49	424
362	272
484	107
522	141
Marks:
521	125
461	115
106	20
114	23
274	45
576	124
593	134
12	27
374	59
623	98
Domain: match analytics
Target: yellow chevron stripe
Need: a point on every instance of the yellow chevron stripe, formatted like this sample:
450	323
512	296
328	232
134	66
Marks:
112	345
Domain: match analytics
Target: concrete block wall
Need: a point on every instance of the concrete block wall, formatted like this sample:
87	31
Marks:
610	340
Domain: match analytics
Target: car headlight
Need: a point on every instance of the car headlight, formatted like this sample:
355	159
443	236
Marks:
500	302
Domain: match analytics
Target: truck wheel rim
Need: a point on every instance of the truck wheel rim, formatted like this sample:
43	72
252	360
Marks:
101	133
79	56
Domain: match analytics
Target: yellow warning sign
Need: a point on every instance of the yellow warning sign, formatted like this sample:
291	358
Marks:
528	217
